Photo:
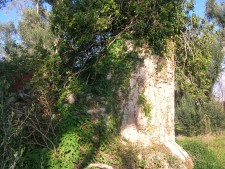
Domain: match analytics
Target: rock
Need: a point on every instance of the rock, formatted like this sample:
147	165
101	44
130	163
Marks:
71	98
158	89
99	165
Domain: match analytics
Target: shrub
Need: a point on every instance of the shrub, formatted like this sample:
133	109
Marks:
195	119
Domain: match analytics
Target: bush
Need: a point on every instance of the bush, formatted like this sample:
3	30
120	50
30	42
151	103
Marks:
193	119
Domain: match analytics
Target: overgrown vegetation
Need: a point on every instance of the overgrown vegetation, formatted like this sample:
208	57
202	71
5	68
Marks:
79	50
199	63
143	101
195	119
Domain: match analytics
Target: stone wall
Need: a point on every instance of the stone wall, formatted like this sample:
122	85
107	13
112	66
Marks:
154	80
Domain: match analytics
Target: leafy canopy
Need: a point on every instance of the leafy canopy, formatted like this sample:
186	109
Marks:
88	28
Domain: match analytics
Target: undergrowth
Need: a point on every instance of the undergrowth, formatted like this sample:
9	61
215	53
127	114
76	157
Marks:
195	118
82	127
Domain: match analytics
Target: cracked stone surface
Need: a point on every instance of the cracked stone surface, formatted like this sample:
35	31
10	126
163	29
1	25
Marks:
155	79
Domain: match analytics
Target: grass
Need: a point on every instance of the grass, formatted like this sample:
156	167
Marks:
208	152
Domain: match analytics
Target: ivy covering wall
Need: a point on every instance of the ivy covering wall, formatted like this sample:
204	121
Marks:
80	48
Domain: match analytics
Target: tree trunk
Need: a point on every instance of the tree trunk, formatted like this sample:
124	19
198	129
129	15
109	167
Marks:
37	2
149	109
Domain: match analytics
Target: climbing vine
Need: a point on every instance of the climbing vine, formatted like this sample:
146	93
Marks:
86	56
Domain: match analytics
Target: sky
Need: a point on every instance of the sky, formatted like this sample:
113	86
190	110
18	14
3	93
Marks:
200	7
11	13
13	9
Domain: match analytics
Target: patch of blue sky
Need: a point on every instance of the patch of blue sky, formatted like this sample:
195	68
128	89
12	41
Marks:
200	7
12	12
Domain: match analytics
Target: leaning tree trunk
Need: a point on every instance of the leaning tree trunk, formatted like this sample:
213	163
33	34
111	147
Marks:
149	109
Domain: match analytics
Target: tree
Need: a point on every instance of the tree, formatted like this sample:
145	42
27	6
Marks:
107	70
199	62
26	51
199	51
35	33
7	35
215	11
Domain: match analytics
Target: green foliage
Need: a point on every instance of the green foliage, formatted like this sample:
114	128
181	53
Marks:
8	47
201	155
68	152
95	132
199	58
215	143
194	118
68	149
34	31
23	110
215	11
101	22
93	38
34	157
143	101
8	32
198	64
11	143
87	56
77	128
11	129
187	117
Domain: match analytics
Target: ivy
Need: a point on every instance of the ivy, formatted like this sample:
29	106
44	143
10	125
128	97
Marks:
143	101
88	57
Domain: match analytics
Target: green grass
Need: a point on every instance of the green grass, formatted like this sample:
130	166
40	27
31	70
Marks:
208	152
